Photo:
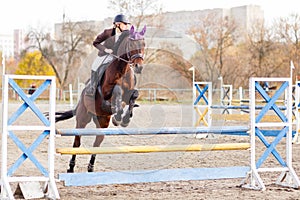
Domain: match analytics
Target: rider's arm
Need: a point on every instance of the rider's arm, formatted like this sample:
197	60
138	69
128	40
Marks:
98	42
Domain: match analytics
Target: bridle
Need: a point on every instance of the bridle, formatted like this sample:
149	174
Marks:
139	54
130	57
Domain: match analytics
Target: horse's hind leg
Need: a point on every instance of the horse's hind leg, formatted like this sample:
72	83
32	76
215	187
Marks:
73	159
101	122
81	121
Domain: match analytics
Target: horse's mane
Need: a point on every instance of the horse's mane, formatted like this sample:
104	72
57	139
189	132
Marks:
120	45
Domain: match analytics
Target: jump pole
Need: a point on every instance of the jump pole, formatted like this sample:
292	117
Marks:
151	176
151	149
48	130
253	177
226	130
155	175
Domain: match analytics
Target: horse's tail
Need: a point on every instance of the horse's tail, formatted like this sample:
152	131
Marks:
64	115
61	116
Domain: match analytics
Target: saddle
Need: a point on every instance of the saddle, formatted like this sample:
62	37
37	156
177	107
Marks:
100	73
90	102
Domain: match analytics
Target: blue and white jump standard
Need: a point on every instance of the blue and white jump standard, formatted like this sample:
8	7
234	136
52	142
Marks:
296	138
48	131
288	176
202	98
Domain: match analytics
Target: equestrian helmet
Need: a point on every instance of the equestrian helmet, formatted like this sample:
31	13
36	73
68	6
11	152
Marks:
121	18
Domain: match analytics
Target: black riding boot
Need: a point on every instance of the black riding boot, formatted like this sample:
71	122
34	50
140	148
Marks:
91	90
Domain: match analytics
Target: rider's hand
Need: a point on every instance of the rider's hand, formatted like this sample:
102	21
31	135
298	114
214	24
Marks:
109	51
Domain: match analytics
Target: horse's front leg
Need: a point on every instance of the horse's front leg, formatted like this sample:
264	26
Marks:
117	105
133	95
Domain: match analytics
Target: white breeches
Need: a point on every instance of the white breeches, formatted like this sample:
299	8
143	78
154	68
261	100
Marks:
101	60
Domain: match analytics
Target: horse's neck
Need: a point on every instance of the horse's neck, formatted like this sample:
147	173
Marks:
121	42
121	66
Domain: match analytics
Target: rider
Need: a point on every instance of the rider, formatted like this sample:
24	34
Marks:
104	42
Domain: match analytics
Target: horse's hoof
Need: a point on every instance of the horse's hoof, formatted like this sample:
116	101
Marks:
125	121
115	121
90	170
70	171
124	124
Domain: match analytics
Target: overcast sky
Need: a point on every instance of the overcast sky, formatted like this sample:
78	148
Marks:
23	14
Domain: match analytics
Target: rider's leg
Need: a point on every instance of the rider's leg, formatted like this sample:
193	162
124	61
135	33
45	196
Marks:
98	62
91	90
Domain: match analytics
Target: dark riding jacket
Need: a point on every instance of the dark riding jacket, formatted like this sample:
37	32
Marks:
105	40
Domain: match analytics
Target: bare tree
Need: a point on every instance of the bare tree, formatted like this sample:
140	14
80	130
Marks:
65	52
139	11
171	55
214	37
263	52
73	46
287	31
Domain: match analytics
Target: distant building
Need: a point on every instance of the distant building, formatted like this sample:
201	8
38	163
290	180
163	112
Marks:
177	25
246	16
7	45
12	45
180	22
243	16
19	44
93	25
174	36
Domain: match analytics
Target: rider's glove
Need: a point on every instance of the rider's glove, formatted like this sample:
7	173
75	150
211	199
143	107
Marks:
109	51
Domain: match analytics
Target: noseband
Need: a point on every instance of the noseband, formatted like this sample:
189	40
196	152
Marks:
135	56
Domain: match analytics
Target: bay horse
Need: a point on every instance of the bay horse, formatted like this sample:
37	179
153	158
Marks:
115	88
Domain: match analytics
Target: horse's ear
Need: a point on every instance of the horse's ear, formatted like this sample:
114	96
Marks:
143	31
131	30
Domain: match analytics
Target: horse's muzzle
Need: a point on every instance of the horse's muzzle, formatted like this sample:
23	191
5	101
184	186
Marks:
138	68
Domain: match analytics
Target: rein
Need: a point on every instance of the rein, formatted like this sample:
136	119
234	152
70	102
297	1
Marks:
118	57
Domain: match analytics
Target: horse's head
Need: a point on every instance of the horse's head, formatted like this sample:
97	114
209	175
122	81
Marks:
135	51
